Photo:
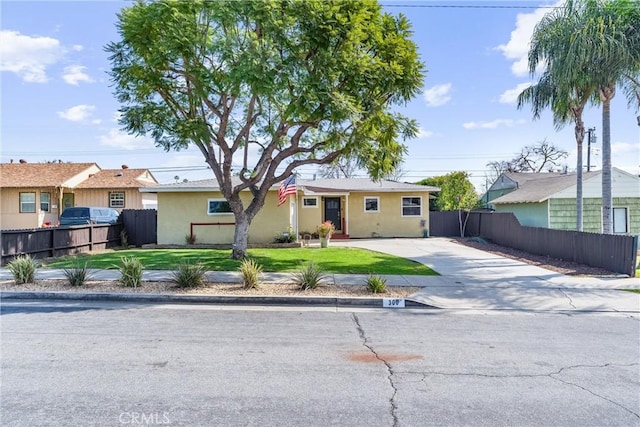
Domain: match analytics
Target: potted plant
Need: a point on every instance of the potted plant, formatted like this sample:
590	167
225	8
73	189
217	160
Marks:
325	230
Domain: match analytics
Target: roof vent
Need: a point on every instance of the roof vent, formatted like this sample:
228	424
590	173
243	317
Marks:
125	167
119	174
22	161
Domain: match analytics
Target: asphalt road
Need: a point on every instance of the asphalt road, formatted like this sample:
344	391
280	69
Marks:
67	364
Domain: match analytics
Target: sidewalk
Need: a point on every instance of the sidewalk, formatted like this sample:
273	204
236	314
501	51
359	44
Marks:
469	279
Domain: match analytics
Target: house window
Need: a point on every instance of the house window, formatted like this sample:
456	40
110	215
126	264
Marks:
372	204
116	200
412	206
45	202
218	207
620	224
309	202
27	202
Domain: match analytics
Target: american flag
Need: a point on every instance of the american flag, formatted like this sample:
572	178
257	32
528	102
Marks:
287	187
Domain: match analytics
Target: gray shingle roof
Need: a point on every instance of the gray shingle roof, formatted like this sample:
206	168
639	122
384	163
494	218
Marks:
320	185
538	187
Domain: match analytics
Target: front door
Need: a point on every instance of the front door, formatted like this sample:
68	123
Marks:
67	201
332	211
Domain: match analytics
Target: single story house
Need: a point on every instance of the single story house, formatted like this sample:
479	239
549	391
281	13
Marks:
33	195
358	208
549	200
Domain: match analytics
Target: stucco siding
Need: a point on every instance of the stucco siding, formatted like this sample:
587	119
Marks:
176	211
528	214
310	217
388	222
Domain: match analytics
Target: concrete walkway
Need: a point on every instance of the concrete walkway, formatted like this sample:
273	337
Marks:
469	279
474	279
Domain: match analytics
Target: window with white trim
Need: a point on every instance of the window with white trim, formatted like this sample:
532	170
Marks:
309	202
27	202
372	204
620	223
218	207
45	202
116	199
412	206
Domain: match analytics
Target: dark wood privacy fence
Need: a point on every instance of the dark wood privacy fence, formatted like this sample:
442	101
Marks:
617	253
58	241
141	226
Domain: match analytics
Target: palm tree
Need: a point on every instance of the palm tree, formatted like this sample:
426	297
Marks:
566	107
590	44
566	94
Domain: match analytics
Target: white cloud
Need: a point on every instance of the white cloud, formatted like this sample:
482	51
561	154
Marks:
118	139
424	134
77	47
96	121
493	124
517	48
28	56
624	147
77	113
511	96
438	95
74	74
116	117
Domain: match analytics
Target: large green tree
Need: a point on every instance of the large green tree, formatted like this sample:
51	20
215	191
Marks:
589	45
305	82
457	193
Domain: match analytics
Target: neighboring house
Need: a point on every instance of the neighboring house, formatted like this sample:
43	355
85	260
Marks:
118	189
549	200
34	195
358	208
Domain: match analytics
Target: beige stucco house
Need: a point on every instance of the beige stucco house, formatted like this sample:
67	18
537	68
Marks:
359	208
34	195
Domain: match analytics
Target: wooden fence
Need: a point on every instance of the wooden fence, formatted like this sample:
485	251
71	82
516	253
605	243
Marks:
58	241
141	226
617	253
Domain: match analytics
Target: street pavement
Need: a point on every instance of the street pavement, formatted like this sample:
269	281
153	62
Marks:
469	279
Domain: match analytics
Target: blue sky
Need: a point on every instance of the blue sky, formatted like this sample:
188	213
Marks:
56	102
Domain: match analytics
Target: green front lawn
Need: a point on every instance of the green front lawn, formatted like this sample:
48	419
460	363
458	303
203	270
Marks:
331	260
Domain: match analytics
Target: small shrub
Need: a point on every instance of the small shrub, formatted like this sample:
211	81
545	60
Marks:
250	271
23	269
189	275
376	284
130	272
309	276
77	275
284	238
190	239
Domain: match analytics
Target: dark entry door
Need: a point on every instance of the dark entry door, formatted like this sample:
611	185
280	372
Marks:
332	211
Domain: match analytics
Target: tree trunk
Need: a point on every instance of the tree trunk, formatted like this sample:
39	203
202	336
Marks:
241	236
579	132
606	95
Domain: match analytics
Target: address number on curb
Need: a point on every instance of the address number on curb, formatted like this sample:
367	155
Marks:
393	303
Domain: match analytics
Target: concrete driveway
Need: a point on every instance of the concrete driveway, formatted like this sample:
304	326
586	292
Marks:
474	279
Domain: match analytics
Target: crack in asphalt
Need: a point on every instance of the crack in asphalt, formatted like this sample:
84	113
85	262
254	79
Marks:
365	343
550	375
568	297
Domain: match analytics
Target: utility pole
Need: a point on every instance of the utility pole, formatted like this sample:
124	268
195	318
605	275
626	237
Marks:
591	138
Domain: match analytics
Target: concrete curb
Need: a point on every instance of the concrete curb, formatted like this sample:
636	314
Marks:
207	299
